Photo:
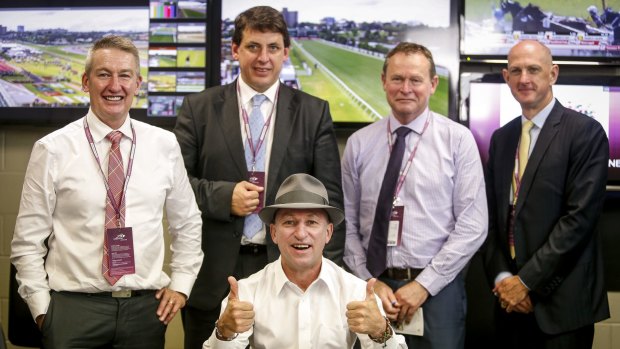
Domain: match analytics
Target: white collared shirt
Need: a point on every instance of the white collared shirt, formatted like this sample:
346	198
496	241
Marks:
245	95
64	199
287	317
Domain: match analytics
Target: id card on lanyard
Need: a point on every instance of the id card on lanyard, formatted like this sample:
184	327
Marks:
119	240
395	227
256	177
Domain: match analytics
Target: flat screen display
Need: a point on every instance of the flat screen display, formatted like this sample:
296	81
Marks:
490	105
338	49
581	29
43	51
44	43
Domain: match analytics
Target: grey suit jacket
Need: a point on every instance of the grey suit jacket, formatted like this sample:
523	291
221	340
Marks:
558	252
209	133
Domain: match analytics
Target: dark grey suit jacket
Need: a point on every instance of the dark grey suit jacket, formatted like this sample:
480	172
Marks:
209	133
558	252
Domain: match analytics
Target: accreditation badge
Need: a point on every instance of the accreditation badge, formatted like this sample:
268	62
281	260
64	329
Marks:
120	249
395	229
258	178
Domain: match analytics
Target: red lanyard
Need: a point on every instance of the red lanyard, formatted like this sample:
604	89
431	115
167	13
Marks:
91	142
403	174
246	125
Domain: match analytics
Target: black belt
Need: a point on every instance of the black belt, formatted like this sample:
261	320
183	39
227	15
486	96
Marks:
116	294
401	274
252	249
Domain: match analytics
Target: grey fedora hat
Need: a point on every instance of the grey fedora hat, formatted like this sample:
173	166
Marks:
301	191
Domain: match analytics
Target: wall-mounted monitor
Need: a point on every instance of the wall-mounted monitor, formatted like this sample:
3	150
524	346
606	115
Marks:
574	30
338	49
43	47
488	104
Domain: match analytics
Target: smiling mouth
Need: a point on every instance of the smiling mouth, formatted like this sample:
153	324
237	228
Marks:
113	98
300	247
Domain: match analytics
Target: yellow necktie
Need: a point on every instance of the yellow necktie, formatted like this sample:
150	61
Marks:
524	146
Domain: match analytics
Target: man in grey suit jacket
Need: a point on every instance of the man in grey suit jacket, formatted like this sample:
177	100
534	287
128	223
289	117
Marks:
550	286
214	129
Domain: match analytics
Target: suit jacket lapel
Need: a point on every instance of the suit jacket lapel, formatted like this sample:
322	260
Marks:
231	128
507	158
285	119
548	132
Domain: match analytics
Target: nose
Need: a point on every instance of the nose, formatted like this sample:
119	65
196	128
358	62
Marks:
114	83
406	87
524	77
262	55
300	232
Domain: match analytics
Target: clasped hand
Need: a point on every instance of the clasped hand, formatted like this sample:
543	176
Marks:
513	295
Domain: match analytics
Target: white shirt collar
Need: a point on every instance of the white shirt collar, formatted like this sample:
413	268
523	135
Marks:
247	93
417	125
326	277
99	130
540	118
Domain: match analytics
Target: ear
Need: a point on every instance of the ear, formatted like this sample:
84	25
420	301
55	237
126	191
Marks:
84	82
555	71
138	83
434	83
383	78
330	232
235	51
272	231
286	52
505	75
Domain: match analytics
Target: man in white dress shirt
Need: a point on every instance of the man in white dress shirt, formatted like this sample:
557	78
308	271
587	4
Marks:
302	300
89	244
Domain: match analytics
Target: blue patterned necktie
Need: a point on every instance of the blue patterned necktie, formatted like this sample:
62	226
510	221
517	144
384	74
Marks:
253	224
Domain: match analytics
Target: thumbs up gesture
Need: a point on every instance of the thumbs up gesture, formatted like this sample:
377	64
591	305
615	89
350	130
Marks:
364	316
238	316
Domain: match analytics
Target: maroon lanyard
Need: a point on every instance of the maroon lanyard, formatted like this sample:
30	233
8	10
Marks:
91	142
403	174
246	125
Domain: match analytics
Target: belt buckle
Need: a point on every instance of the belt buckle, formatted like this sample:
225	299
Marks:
121	294
408	273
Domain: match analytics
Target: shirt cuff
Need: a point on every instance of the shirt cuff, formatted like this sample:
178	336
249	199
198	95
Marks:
182	282
523	283
38	303
431	281
501	276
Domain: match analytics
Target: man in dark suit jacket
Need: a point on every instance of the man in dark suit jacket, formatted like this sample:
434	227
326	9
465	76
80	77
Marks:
212	131
551	291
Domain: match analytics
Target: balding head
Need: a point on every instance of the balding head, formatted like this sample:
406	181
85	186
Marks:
531	47
530	75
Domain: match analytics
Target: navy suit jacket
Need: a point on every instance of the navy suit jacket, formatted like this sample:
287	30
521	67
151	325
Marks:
209	132
558	252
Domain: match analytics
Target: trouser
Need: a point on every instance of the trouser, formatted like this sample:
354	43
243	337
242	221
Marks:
82	320
516	330
444	316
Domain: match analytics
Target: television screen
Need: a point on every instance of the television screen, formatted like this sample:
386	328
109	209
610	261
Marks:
43	51
579	29
338	49
43	47
489	105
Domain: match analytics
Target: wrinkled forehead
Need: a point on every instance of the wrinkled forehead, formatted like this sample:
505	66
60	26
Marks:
314	213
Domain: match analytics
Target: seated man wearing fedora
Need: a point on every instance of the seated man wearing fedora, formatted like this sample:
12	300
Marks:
302	300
